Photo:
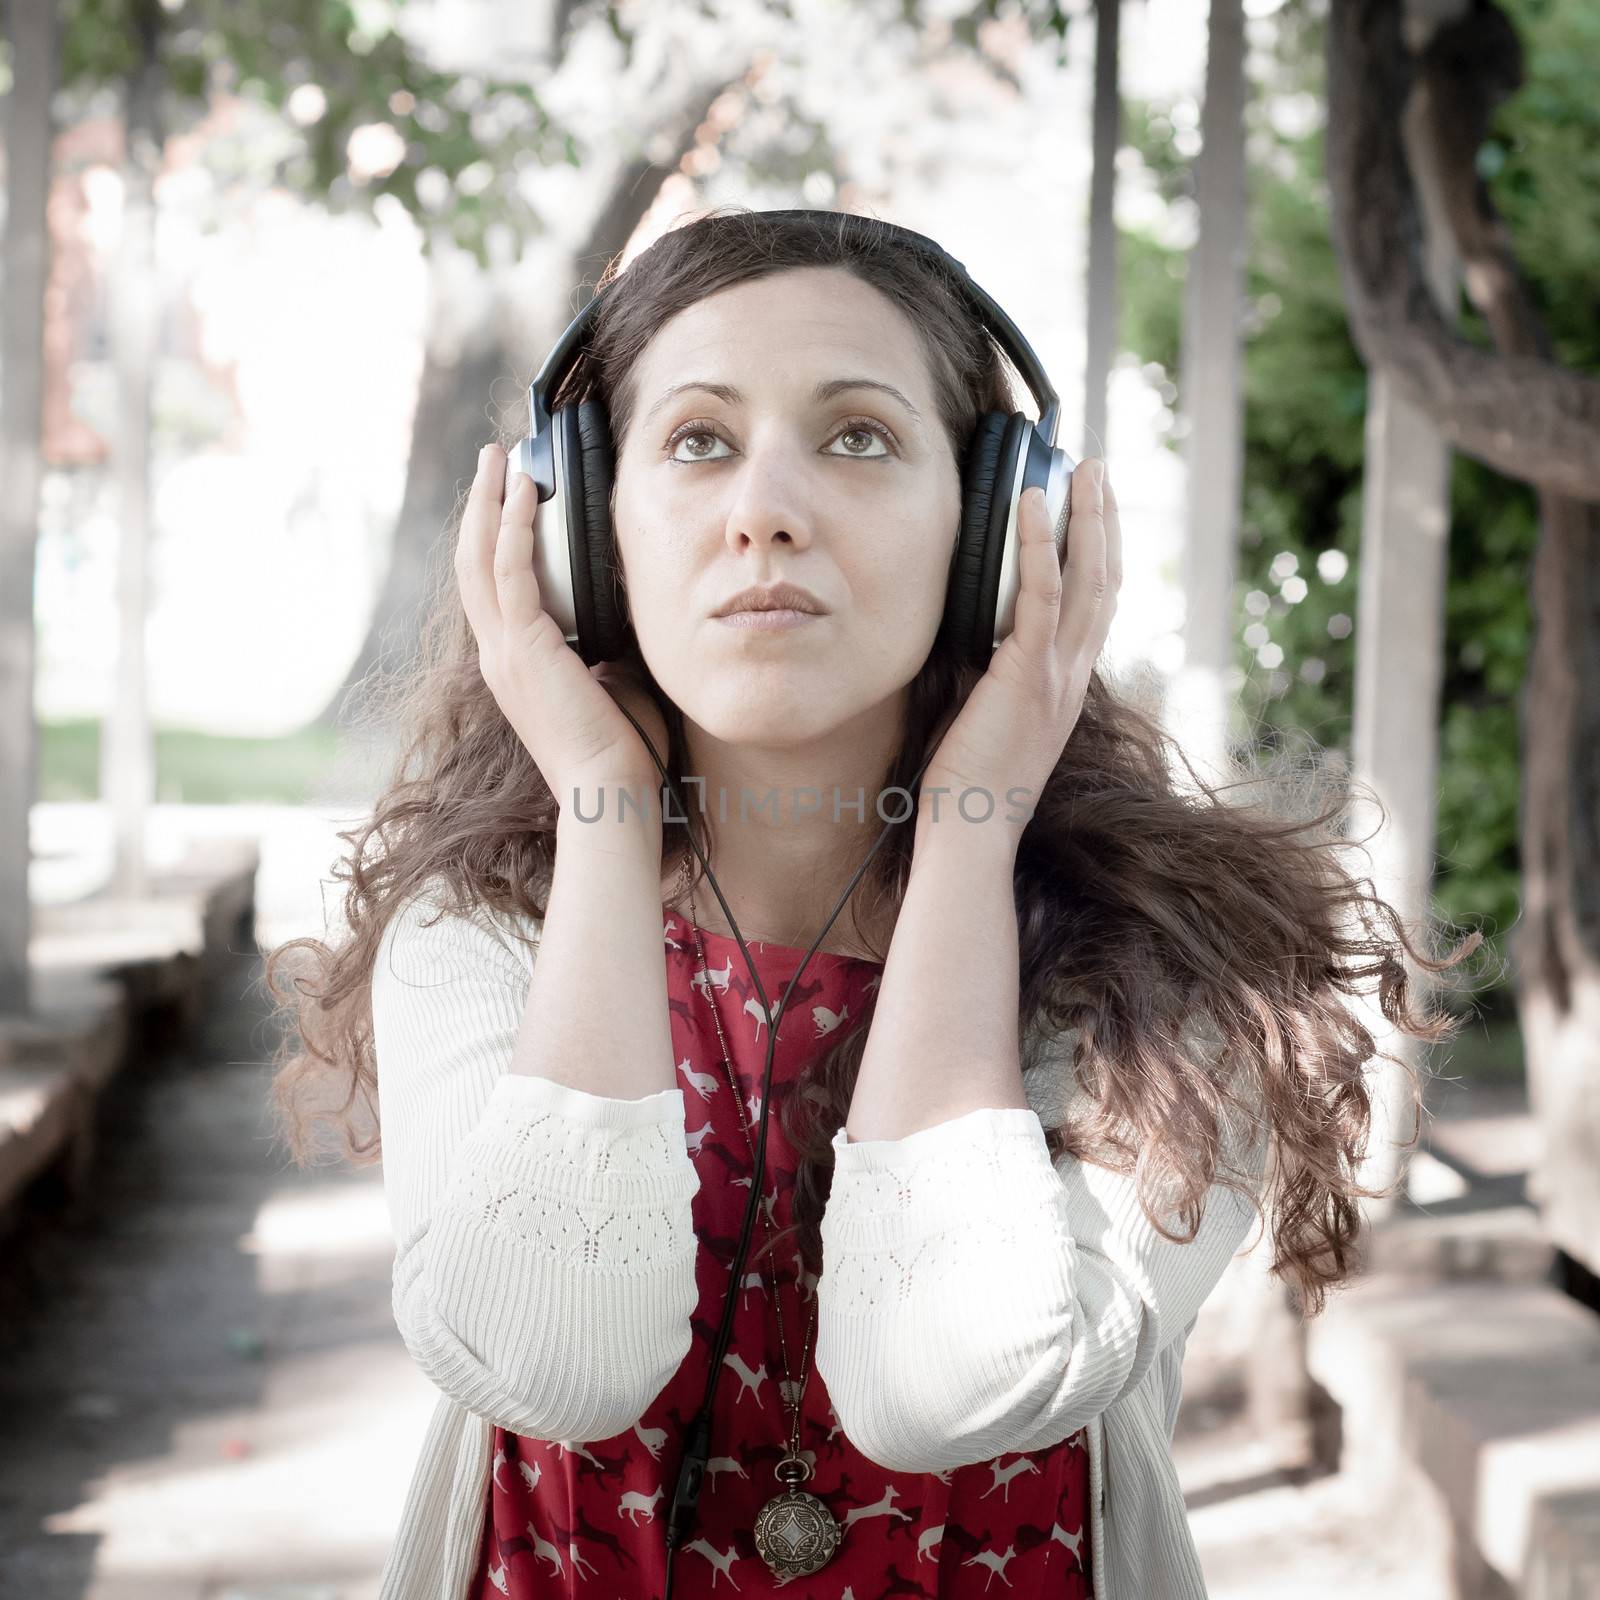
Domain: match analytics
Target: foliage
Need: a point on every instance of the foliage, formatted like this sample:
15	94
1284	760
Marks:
1305	402
455	149
1042	17
462	143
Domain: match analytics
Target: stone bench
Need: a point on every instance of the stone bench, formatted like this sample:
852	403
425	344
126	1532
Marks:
1470	1395
105	972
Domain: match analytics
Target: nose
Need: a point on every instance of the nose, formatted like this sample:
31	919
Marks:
768	504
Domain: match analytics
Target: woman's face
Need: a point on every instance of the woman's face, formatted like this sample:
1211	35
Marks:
847	491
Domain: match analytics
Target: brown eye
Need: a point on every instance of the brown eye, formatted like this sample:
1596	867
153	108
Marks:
866	426
700	429
693	430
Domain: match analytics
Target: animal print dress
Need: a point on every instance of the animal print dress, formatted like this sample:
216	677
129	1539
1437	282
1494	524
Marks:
589	1518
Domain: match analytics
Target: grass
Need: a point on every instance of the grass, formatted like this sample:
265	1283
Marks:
210	769
1487	1052
193	768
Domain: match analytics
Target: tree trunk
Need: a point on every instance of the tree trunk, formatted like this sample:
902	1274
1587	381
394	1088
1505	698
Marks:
1212	387
1211	397
1400	609
1556	946
1522	414
29	137
1102	284
127	751
1528	417
468	352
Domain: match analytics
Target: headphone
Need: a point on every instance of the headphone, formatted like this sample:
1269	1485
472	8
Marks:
570	459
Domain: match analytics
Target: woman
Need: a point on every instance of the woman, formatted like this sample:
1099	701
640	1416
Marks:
1037	1086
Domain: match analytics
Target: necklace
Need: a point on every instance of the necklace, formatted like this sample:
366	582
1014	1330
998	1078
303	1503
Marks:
794	1531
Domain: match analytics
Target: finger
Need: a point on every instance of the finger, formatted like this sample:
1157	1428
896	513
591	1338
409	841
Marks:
1039	582
1113	540
514	579
1084	575
475	543
1113	528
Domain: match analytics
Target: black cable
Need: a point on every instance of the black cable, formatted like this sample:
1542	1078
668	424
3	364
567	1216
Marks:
691	1471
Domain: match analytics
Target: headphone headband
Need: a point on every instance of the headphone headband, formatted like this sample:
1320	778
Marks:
989	313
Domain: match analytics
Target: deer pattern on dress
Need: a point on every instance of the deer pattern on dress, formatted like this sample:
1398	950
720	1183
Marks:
589	1518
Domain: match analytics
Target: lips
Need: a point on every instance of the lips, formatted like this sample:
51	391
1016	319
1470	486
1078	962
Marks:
779	621
777	597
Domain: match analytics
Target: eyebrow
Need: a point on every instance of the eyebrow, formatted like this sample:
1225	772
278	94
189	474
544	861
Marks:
826	389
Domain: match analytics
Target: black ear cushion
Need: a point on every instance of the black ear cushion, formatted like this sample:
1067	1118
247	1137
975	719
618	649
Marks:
975	572
603	634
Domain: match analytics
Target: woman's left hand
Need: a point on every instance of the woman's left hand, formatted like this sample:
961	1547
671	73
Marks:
1010	732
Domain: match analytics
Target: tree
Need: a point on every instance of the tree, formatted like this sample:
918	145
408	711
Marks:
1520	410
1306	397
1211	387
127	746
678	117
167	61
28	131
1100	314
474	339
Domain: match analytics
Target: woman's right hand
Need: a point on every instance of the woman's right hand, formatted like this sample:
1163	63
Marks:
564	712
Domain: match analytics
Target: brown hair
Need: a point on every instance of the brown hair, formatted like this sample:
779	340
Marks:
1195	951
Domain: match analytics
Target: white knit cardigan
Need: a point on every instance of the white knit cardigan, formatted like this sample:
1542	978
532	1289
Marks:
544	1272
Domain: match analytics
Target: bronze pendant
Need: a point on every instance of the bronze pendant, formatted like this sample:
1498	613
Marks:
796	1533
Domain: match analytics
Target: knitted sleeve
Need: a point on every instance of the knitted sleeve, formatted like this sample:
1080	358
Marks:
978	1299
544	1247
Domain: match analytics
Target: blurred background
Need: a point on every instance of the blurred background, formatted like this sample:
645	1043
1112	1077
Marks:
1316	277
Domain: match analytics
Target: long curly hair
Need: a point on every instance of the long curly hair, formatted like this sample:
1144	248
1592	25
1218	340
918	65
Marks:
1193	948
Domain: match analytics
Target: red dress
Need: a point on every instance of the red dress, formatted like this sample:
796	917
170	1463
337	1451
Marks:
590	1518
